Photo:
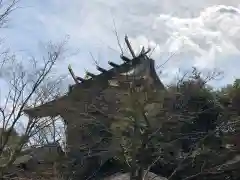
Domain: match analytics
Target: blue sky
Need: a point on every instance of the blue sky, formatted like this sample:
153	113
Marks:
202	33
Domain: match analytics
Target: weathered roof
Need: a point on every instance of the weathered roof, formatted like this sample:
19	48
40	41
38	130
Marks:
235	161
22	159
88	87
126	176
42	153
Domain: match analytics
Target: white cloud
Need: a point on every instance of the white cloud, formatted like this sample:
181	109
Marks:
204	39
204	33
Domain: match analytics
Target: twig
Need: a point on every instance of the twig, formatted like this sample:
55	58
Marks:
117	36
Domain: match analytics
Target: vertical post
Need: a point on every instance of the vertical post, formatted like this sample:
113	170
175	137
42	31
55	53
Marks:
130	47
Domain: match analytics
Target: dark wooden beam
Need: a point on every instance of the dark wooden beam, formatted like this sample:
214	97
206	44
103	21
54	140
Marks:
90	74
142	51
80	79
75	78
101	69
149	49
114	65
124	58
129	47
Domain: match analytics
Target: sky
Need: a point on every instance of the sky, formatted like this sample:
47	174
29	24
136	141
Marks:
203	33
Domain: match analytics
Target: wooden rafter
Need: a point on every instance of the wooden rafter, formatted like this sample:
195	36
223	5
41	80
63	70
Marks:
114	65
101	69
75	78
129	47
124	58
90	74
116	68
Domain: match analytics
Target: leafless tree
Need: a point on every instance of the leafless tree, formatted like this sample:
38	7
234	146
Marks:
26	84
6	8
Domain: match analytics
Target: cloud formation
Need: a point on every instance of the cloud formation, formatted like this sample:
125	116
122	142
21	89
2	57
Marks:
202	33
209	40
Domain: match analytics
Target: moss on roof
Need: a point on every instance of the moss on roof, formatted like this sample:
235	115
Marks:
22	159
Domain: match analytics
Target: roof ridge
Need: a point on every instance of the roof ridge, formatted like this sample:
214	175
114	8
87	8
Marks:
128	65
116	68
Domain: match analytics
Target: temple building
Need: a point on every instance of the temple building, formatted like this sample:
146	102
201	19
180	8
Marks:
94	101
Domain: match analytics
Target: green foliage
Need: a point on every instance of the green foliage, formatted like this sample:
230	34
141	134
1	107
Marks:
12	139
191	126
185	131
